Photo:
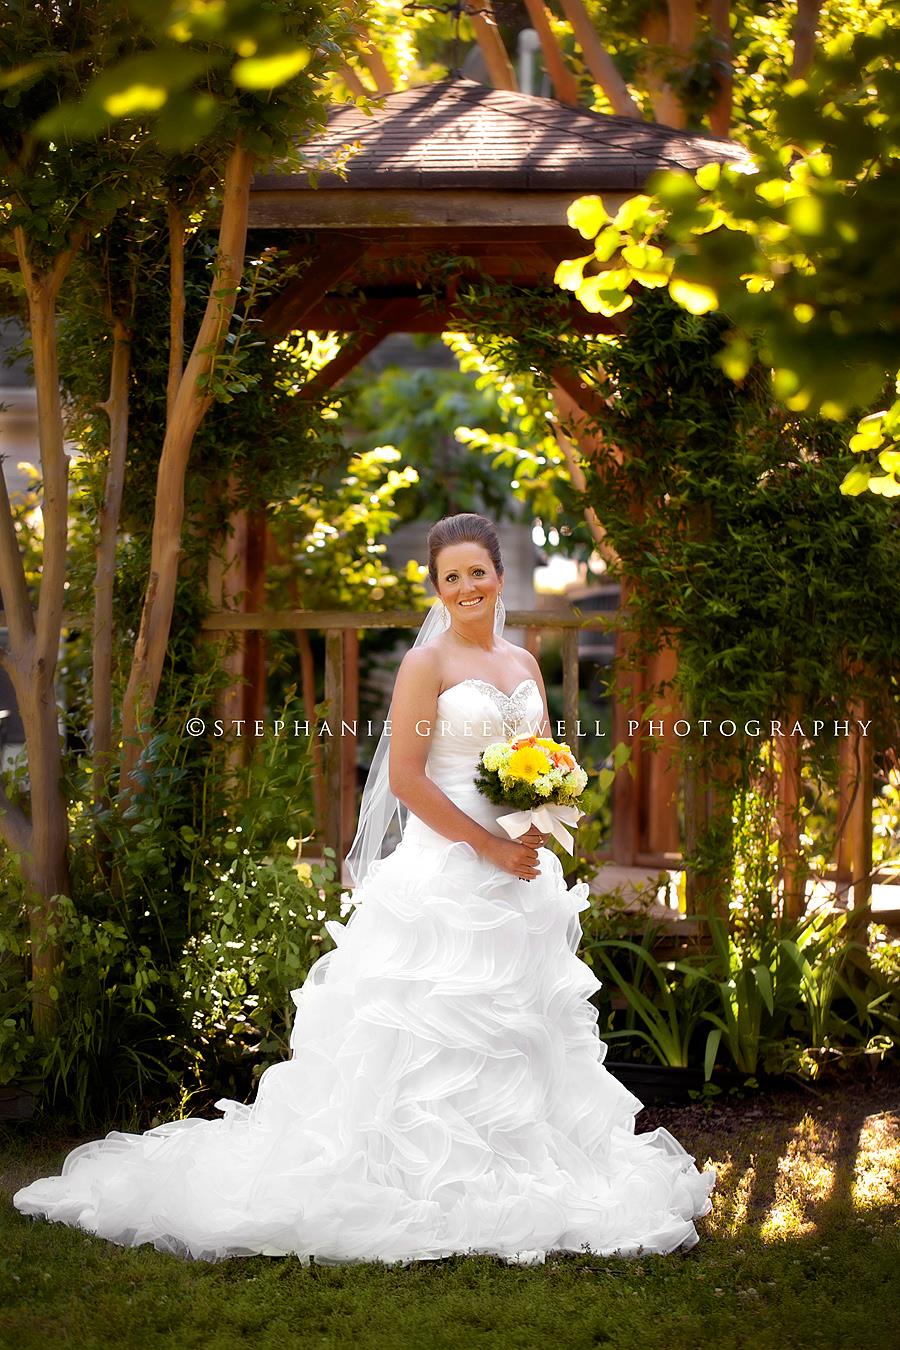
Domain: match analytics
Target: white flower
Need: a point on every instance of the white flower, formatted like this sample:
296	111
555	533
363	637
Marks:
493	756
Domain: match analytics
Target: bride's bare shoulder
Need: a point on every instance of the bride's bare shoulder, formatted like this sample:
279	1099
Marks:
520	656
421	668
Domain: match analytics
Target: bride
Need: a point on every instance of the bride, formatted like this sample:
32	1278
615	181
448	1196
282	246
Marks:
446	1091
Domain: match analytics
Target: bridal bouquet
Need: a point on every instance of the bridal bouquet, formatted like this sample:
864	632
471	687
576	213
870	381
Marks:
538	777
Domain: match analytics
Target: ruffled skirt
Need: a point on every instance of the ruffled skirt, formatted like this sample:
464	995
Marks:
446	1094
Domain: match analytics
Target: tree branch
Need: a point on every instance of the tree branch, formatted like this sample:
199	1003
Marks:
598	60
805	26
176	303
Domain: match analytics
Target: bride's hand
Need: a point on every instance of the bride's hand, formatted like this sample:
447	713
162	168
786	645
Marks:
514	856
533	837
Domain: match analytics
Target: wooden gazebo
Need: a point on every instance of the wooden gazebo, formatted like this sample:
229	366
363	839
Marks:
485	176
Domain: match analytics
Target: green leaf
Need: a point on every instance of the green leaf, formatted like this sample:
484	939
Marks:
712	1046
693	295
763	978
636	211
708	177
857	480
600	297
587	215
265	72
888	486
570	272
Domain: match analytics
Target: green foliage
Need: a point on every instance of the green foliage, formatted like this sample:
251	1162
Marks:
778	996
182	944
797	248
669	1015
424	413
155	93
264	926
724	514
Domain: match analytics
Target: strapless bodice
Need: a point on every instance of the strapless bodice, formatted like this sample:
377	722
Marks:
470	716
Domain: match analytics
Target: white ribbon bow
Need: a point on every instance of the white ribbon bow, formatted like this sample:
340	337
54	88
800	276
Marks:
549	820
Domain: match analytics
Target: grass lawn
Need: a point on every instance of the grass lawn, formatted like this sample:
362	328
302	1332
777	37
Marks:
801	1249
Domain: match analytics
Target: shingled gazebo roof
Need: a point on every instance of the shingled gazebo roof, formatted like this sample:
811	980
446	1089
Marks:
460	135
453	168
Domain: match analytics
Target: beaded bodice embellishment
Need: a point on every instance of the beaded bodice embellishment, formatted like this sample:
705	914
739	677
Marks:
512	706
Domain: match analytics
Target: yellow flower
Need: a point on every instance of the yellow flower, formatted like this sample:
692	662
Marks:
527	763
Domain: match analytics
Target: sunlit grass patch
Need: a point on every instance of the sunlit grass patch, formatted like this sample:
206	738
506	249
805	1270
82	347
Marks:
805	1178
876	1173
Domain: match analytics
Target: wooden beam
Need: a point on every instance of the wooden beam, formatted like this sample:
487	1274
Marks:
347	359
326	619
589	400
288	310
411	314
561	76
481	15
292	204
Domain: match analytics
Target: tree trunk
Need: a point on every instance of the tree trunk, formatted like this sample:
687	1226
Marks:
116	409
176	305
805	37
564	82
31	661
682	34
481	16
189	407
720	112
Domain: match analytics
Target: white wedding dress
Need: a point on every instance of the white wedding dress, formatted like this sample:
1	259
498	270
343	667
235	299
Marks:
446	1092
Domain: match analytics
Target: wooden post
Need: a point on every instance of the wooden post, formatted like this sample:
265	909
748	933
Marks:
847	793
570	685
254	664
228	580
334	699
859	824
626	785
532	642
348	739
792	870
696	824
662	777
